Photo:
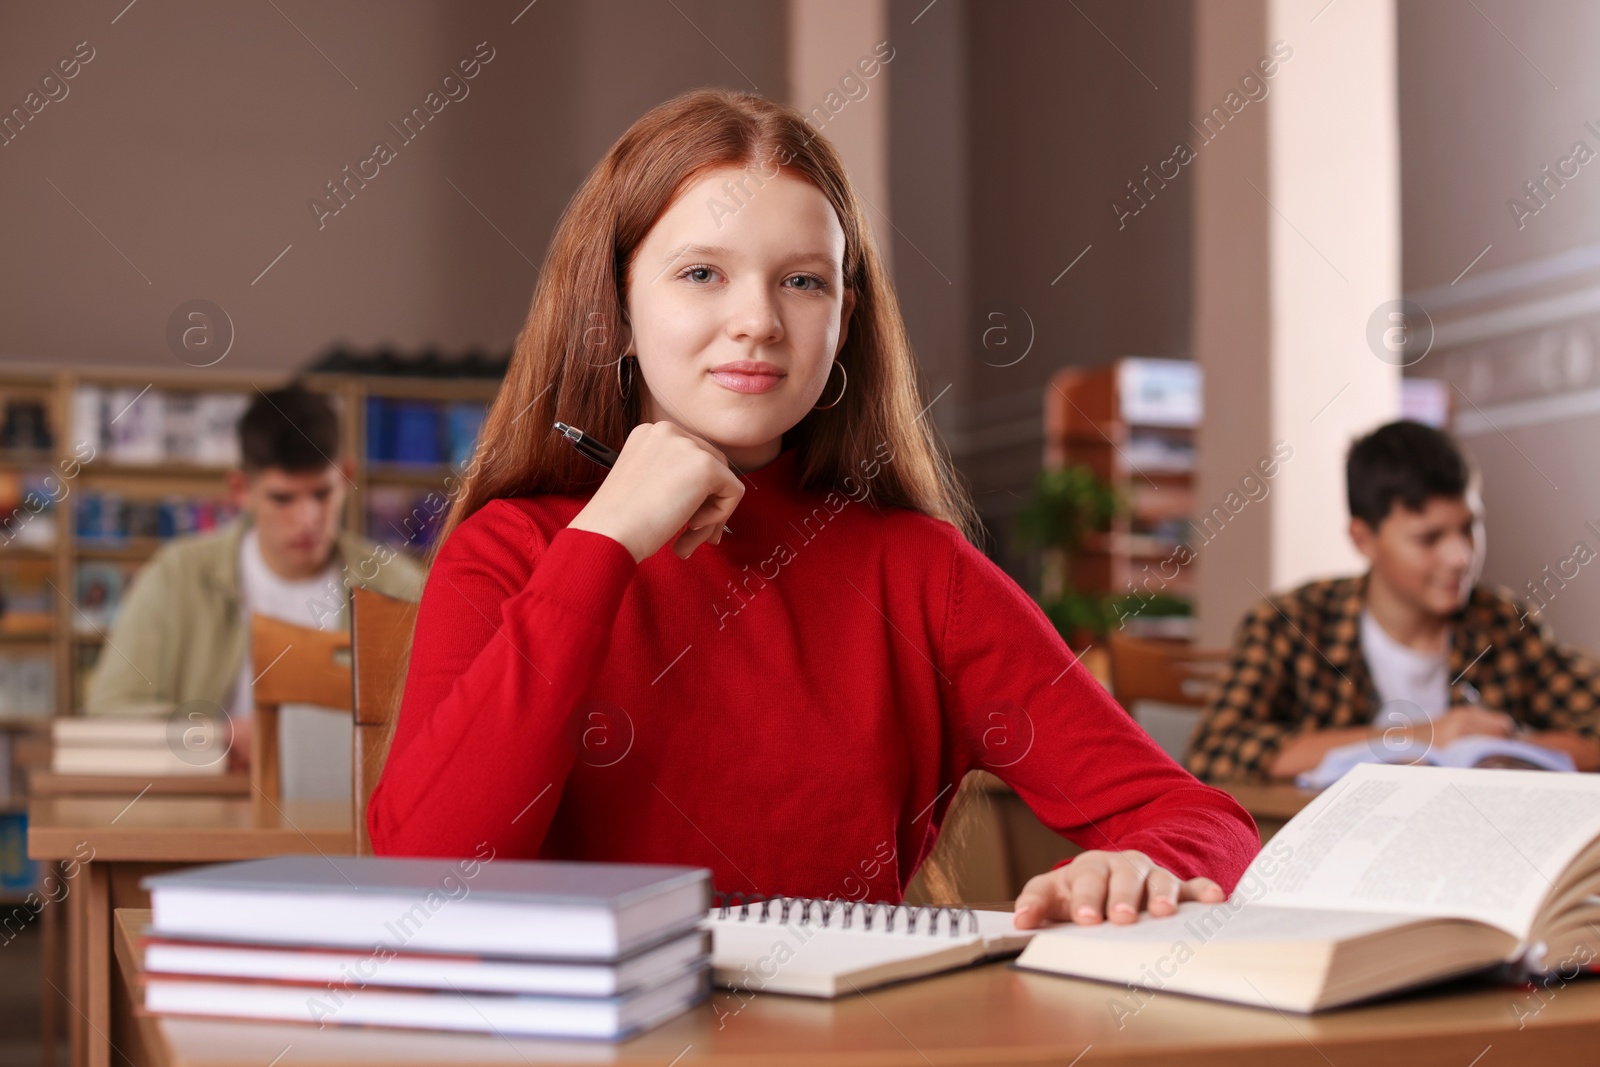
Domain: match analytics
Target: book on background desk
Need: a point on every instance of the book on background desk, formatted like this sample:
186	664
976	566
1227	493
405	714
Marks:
1473	751
829	948
1395	877
140	740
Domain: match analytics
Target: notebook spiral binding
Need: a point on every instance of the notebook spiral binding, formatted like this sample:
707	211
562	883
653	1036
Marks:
753	907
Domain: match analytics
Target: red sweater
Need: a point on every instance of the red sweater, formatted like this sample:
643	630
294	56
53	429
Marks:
792	708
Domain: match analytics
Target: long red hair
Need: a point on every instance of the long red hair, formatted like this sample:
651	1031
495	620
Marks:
564	366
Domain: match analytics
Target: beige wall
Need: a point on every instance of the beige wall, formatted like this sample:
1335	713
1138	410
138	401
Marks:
1517	334
1014	126
197	134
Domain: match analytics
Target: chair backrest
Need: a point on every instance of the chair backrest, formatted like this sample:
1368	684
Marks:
1163	685
381	633
293	665
1172	672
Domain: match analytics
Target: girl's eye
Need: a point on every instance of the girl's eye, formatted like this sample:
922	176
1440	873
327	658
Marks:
700	273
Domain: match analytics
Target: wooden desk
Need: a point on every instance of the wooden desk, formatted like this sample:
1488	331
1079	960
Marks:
51	784
43	782
109	843
1270	804
992	1014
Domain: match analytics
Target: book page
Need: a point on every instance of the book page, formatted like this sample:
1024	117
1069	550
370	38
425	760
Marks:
1473	844
1198	923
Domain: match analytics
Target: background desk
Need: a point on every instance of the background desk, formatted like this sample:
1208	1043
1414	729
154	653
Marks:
1271	805
46	783
127	838
51	784
993	1014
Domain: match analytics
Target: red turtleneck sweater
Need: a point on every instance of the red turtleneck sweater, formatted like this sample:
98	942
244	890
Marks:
792	708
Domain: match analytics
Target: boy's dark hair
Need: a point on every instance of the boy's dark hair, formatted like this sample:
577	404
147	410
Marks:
1404	461
291	429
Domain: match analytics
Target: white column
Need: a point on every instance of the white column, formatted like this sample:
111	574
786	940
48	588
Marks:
1296	248
837	77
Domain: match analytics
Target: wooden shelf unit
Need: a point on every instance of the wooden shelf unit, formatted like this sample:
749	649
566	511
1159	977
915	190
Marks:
1085	422
147	481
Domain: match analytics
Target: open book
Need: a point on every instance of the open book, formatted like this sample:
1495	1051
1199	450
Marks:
1472	751
828	948
1396	876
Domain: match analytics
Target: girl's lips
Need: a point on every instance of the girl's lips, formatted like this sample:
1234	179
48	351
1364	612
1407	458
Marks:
741	382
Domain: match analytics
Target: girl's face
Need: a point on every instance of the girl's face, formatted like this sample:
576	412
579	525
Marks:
737	309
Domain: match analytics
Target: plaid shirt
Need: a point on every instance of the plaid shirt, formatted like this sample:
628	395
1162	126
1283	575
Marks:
1298	666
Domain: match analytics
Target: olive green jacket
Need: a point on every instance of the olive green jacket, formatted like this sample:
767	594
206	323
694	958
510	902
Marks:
180	635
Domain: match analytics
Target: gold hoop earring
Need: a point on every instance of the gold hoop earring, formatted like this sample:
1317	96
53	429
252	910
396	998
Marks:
623	390
844	383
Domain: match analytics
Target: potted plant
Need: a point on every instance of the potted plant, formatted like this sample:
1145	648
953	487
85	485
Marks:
1069	504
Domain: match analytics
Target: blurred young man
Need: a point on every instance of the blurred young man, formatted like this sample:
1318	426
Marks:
1414	648
182	635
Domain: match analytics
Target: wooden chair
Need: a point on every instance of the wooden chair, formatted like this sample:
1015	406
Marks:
381	629
1173	672
991	842
296	665
1165	672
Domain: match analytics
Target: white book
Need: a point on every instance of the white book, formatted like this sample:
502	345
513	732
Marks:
543	909
217	428
1394	877
138	727
90	420
415	970
137	425
449	1009
155	762
831	948
181	428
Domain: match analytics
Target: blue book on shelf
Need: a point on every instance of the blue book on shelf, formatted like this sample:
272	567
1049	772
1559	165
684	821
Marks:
416	432
18	874
465	420
380	430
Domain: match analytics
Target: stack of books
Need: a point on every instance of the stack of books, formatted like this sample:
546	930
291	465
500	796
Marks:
528	947
153	426
109	518
143	740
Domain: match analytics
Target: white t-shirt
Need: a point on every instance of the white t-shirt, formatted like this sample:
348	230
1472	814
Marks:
1403	676
314	746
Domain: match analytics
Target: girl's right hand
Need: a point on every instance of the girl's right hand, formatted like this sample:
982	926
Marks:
665	479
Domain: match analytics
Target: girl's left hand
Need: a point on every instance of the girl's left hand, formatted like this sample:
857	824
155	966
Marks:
1099	884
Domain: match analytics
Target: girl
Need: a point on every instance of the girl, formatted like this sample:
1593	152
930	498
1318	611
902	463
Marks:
791	696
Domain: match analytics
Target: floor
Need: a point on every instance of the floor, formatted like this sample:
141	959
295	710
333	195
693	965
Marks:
20	981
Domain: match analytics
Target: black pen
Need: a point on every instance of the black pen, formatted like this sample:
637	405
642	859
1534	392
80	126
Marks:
602	454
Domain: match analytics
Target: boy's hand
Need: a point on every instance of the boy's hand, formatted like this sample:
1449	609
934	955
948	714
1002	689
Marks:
1097	885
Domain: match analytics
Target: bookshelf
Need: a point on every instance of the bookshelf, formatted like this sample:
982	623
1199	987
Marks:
109	513
1133	423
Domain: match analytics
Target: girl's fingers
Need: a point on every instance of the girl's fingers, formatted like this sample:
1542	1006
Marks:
1162	889
1125	891
1203	889
1085	879
1115	885
1038	902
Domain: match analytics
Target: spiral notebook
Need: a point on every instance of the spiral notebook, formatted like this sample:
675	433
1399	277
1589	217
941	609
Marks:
829	948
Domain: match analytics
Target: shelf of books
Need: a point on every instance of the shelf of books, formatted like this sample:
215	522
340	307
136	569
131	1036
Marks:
101	467
1133	424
